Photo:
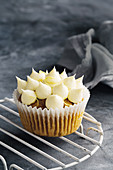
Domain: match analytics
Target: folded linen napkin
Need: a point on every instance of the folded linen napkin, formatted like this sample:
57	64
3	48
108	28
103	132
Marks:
94	60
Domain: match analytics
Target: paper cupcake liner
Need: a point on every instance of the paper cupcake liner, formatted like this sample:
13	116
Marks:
52	123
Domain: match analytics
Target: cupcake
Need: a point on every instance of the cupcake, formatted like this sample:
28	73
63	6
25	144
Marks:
51	104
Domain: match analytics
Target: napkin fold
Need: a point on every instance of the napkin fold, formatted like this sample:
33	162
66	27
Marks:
93	60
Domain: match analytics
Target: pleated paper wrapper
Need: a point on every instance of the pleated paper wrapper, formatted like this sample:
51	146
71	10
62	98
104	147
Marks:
52	123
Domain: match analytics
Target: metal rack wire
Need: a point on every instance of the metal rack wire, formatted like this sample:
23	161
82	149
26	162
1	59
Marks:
61	165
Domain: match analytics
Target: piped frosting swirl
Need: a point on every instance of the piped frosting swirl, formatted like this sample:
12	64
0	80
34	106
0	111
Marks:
52	78
63	75
75	95
21	84
61	90
38	76
31	84
43	91
54	101
28	97
70	82
79	82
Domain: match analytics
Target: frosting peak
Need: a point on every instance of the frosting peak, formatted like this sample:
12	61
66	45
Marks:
43	91
75	95
21	84
63	75
79	82
31	83
40	71
54	101
28	97
61	90
70	82
53	73
52	78
34	74
37	76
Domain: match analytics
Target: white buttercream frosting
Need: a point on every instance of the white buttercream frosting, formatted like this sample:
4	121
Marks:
40	71
53	73
79	82
63	75
53	87
54	101
28	97
38	76
21	84
61	90
31	84
52	78
70	82
75	95
43	91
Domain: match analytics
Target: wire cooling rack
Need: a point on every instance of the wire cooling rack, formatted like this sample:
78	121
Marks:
83	134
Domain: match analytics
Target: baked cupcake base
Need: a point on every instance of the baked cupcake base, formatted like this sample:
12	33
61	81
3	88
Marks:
51	123
53	127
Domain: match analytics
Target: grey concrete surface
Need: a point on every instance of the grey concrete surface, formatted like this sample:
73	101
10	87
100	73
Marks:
33	34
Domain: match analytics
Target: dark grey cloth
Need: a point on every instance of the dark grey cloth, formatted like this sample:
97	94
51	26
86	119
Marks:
93	60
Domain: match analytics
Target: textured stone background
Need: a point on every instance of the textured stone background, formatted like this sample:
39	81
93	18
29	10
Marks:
33	34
